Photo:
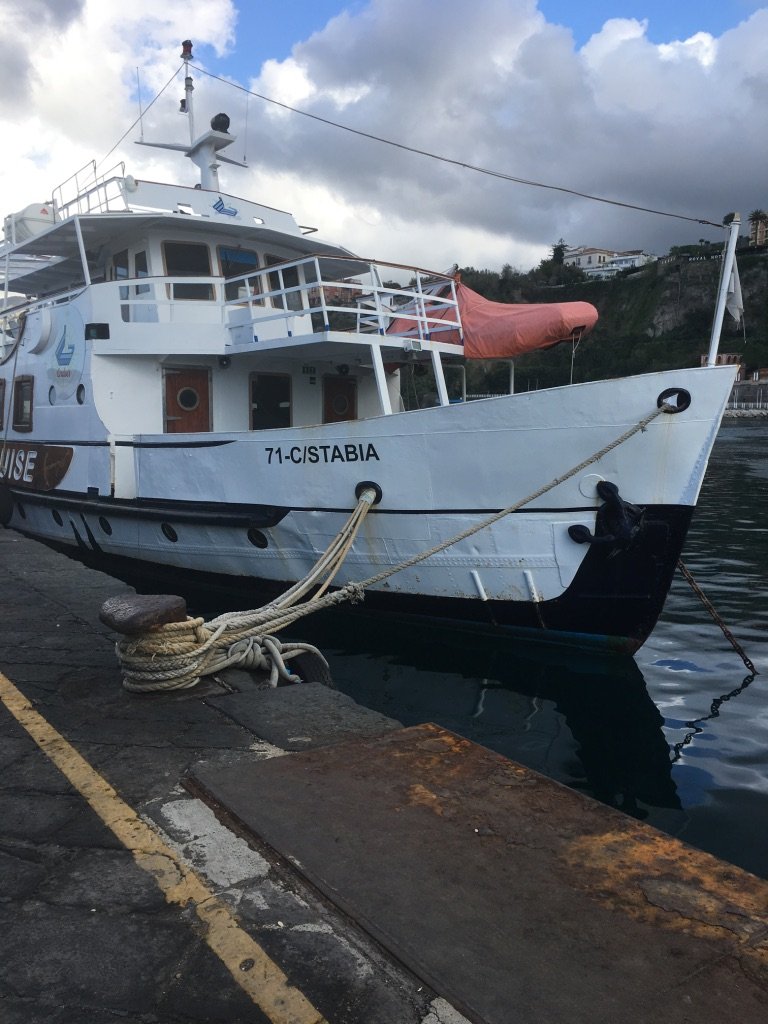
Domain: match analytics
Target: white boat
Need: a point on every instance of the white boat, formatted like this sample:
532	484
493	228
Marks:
194	385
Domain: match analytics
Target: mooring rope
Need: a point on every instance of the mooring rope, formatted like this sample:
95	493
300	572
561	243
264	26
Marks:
176	659
176	655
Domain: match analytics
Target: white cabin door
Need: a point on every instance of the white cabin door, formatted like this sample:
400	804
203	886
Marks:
187	400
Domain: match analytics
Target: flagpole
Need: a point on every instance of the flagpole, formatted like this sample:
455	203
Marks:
729	256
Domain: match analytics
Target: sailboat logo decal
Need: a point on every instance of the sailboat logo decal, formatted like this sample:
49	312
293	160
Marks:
64	350
220	207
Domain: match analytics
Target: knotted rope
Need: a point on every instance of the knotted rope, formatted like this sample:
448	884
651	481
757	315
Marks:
175	656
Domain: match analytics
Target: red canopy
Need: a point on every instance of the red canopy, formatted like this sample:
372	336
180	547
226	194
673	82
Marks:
502	330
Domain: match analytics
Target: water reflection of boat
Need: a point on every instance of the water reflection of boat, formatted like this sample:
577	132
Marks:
586	720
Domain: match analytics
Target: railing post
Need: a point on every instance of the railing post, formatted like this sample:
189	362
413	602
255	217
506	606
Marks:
457	314
382	317
437	368
421	313
81	247
381	379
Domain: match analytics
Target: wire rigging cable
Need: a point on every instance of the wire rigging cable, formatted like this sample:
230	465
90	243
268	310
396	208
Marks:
458	163
149	106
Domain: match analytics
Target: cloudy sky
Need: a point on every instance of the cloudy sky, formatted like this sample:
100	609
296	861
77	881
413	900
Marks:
659	104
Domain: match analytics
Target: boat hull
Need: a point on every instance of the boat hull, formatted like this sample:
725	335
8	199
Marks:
612	604
257	509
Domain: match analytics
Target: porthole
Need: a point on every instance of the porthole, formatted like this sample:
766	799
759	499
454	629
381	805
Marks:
188	399
21	510
52	395
57	517
340	405
80	394
169	532
105	525
257	538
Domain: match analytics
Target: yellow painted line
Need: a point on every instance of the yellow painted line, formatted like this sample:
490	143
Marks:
252	969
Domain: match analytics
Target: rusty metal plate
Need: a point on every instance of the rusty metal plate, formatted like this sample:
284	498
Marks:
509	894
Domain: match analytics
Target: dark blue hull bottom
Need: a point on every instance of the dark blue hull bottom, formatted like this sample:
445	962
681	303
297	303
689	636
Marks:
612	604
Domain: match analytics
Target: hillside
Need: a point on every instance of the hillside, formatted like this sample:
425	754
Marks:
656	318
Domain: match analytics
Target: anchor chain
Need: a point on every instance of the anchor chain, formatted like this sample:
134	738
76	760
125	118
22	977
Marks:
695	727
688	576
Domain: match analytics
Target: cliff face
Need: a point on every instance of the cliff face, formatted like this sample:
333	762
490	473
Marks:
662	297
657	318
673	300
688	288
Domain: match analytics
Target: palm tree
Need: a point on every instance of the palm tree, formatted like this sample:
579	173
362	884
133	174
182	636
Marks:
758	220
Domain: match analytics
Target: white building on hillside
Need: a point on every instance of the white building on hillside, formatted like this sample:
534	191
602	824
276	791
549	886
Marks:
586	258
605	262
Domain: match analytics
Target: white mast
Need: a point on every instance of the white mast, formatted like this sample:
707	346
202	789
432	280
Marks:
187	105
205	151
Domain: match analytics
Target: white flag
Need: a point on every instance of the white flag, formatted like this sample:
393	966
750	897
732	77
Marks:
733	300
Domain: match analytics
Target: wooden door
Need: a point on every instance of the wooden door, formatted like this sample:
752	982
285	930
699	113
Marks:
339	399
187	401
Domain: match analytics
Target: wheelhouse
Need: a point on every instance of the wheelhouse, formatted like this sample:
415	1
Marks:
234	317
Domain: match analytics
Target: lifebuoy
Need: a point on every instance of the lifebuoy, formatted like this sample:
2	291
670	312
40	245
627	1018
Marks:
37	330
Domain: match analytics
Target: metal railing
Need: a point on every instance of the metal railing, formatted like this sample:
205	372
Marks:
160	300
748	396
424	310
88	192
288	299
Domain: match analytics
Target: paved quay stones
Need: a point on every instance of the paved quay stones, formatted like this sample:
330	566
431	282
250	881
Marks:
85	934
394	875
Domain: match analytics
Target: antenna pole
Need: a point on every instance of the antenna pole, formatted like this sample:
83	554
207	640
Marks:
141	112
186	54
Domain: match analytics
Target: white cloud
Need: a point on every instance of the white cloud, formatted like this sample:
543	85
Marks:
611	39
621	117
287	82
701	47
679	126
80	88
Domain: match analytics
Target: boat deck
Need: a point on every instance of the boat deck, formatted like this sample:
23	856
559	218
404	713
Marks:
353	870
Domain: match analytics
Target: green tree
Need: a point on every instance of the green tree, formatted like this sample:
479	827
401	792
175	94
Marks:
558	252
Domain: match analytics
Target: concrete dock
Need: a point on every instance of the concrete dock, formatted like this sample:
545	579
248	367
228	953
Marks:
235	854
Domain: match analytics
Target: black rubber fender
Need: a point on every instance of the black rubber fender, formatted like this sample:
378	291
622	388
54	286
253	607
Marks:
6	505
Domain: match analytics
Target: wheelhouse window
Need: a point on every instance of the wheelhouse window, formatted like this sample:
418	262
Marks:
120	269
270	400
281	280
188	259
238	263
131	311
23	390
143	311
142	270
